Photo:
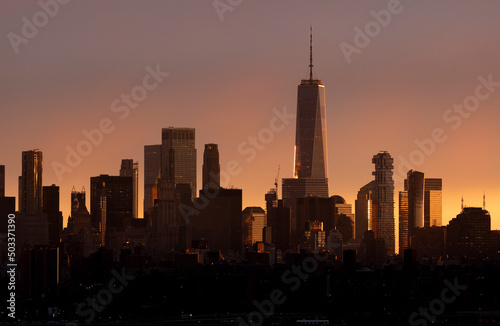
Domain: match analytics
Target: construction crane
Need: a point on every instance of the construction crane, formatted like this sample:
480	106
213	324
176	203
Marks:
276	181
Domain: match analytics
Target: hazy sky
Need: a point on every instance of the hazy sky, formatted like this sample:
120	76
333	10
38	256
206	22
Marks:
229	67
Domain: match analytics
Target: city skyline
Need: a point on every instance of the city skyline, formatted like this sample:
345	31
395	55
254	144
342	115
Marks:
373	87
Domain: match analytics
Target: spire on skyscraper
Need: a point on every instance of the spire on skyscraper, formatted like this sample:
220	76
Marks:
311	55
484	200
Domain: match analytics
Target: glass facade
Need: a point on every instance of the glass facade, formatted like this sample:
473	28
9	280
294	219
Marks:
433	207
178	161
383	200
311	155
211	166
152	167
403	221
363	210
30	183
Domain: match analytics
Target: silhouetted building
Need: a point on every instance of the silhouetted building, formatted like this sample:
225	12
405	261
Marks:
372	250
178	156
80	216
111	203
383	200
415	188
54	215
255	220
30	183
165	229
469	234
310	153
343	217
364	209
219	220
85	239
278	230
211	167
335	243
313	238
433	202
420	205
40	273
2	181
183	198
131	169
152	173
430	242
403	221
294	189
345	225
7	204
315	209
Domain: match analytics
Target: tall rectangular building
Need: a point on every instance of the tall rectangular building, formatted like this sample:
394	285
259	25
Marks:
420	205
111	200
433	202
131	169
2	181
363	210
54	215
310	176
152	172
383	200
211	167
178	152
30	183
403	221
311	155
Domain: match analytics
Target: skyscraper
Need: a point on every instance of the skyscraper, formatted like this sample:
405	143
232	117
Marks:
420	205
131	169
7	204
311	155
152	172
2	180
310	176
383	200
415	187
469	233
54	215
403	221
433	202
211	166
111	202
178	154
30	183
363	211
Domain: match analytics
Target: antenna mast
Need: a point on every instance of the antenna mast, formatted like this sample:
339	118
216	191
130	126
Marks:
311	55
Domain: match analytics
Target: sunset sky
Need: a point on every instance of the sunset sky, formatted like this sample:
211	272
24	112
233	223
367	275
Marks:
228	70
